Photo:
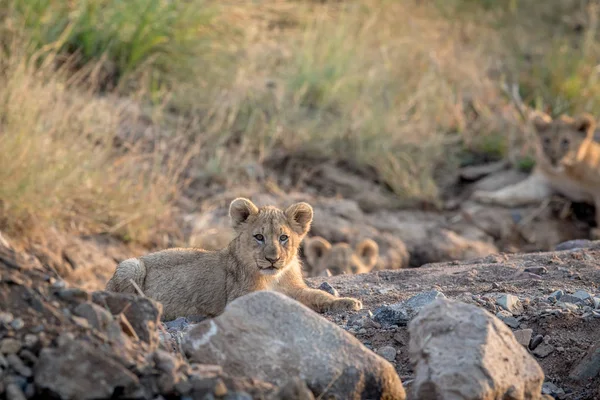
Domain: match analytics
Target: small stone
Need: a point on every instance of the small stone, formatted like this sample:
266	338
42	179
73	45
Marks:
362	331
183	386
567	306
325	286
398	338
17	365
6	318
28	357
537	270
543	350
508	319
220	388
582	295
510	303
30	340
555	296
523	336
387	352
17	324
596	302
551	389
536	341
14	392
401	313
75	295
10	346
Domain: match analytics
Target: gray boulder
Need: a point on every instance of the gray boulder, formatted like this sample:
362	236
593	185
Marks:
273	338
460	351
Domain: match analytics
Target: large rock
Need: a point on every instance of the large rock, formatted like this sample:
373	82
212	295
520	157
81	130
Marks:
460	351
76	370
273	338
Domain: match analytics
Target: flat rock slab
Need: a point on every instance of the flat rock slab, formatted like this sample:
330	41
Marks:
282	340
461	351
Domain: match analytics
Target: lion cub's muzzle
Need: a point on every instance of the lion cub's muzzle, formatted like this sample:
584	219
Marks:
270	266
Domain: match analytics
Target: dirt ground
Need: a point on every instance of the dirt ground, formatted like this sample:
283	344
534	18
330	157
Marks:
569	332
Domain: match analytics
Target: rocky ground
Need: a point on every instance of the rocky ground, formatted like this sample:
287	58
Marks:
551	302
63	341
57	326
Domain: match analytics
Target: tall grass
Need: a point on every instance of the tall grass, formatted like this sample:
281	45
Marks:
164	39
382	86
58	164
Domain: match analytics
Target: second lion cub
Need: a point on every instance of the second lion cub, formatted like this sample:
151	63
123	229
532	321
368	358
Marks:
262	256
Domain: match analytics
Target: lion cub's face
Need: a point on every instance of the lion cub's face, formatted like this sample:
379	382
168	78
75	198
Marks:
340	258
269	237
560	139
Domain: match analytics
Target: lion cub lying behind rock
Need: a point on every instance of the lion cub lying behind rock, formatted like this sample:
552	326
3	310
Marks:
340	258
567	162
262	256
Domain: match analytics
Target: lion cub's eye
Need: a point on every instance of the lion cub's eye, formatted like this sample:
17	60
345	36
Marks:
283	238
565	144
259	237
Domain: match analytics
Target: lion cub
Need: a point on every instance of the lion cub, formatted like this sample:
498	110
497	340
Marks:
567	162
262	256
340	258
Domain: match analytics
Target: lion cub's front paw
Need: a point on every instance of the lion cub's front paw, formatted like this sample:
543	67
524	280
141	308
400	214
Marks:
595	234
346	304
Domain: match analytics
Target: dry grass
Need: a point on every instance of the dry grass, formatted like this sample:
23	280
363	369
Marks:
412	89
58	165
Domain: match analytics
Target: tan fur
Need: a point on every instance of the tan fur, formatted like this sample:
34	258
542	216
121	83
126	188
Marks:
567	162
340	258
260	257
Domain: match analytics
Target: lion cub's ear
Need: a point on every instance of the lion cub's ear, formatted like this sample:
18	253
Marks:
585	124
300	216
315	249
541	121
368	252
240	210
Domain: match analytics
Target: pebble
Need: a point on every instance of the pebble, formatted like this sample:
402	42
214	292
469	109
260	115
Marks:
325	286
551	389
536	341
10	346
30	340
401	313
73	295
508	319
510	303
14	392
17	365
220	388
543	350
582	294
387	352
6	318
537	270
17	324
555	296
523	336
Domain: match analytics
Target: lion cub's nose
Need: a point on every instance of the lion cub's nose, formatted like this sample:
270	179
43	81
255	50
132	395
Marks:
272	260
